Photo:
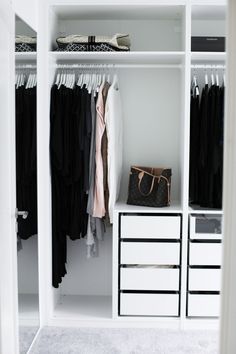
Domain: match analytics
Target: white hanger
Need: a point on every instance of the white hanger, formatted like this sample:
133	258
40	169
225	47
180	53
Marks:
60	81
27	82
81	79
94	81
32	80
99	79
196	85
89	86
212	78
217	78
16	80
21	79
206	77
108	78
66	79
72	80
58	78
30	84
35	80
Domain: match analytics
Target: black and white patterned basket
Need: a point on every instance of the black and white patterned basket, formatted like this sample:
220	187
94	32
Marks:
87	47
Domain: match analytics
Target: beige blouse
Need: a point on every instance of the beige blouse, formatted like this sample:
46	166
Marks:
99	201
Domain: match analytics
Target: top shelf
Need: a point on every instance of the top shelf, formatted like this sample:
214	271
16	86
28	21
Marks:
208	57
167	58
25	57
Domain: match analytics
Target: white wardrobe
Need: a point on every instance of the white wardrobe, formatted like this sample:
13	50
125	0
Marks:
155	268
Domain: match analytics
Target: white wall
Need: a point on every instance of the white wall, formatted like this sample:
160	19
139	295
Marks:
27	11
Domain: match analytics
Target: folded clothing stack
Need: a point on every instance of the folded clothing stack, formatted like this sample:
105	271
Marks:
25	44
80	43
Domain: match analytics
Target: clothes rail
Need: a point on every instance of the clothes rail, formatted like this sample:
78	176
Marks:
119	66
26	66
202	66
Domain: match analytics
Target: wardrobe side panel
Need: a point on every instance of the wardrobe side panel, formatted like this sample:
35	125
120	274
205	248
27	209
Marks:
8	250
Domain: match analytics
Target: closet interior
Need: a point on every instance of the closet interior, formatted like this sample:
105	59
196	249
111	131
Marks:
149	263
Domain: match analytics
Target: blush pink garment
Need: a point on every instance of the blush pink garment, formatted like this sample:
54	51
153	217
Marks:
99	200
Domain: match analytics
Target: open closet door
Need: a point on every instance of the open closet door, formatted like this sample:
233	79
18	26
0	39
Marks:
8	244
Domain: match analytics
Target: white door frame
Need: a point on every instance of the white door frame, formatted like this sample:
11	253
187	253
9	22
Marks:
8	247
228	312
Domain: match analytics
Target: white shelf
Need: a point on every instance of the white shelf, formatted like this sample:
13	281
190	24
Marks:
121	206
84	307
25	57
119	57
199	210
208	57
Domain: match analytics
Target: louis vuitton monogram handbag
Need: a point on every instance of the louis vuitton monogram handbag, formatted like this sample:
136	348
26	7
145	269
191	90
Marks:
149	186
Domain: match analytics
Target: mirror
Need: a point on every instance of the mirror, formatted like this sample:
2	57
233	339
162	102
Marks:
26	183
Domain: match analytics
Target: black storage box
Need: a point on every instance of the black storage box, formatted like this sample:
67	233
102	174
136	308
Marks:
208	44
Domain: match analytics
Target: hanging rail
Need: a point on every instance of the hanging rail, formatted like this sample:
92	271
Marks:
114	66
26	66
202	66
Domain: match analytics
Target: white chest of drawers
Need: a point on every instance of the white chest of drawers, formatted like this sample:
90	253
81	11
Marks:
149	264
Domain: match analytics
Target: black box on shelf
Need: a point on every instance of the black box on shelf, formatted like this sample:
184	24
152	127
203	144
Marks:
207	44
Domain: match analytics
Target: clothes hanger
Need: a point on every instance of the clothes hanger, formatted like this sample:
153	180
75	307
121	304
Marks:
57	78
217	78
195	84
60	80
35	79
28	82
66	79
16	80
212	77
206	77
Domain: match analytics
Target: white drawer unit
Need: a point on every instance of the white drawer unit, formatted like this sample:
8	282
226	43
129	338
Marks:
202	253
149	304
205	227
149	279
153	226
149	282
155	253
204	279
203	305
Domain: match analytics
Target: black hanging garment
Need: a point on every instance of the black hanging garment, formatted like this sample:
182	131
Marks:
26	170
206	148
203	147
194	146
70	135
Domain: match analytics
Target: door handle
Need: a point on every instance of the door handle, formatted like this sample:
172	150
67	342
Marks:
24	214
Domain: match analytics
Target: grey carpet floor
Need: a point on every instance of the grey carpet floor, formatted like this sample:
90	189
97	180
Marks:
26	336
54	340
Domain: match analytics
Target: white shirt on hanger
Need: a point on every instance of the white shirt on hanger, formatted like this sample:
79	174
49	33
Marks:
113	121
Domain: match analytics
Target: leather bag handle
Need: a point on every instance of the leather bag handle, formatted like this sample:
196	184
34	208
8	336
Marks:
140	177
